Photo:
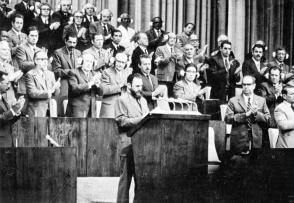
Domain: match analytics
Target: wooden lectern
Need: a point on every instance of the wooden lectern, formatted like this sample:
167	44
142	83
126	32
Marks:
170	154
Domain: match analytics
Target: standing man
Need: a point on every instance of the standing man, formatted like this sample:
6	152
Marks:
84	87
284	116
89	15
25	56
184	37
114	45
130	109
65	59
248	113
40	86
126	31
114	81
223	73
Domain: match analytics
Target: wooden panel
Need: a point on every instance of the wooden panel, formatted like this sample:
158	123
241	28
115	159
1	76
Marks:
210	107
71	132
102	148
219	128
38	175
169	159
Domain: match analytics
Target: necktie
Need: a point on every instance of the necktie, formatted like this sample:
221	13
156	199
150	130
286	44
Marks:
104	30
71	55
150	81
19	39
139	102
91	19
249	121
227	64
146	52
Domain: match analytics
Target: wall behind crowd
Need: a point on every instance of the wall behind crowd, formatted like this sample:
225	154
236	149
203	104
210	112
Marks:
244	21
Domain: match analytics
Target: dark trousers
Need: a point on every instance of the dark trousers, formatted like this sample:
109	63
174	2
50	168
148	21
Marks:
127	172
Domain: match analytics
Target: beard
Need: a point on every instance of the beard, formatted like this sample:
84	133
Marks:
137	94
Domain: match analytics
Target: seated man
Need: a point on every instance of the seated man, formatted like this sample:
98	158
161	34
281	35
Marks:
84	86
114	45
130	109
40	86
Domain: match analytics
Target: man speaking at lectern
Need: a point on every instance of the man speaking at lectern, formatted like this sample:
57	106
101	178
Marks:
130	109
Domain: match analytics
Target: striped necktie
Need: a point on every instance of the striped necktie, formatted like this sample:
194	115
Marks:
249	120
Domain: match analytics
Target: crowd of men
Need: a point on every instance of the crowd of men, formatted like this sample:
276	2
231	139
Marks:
80	57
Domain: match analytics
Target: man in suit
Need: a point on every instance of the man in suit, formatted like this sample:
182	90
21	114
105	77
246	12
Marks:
114	45
167	56
150	89
89	17
24	56
156	36
77	29
103	26
42	22
130	109
16	37
249	115
184	37
140	49
8	114
126	31
84	87
271	90
284	116
113	82
223	73
254	66
65	59
41	86
59	20
102	56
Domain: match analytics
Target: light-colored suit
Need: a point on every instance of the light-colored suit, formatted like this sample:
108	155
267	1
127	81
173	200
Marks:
25	58
111	90
235	115
284	116
167	67
37	90
15	40
99	57
184	91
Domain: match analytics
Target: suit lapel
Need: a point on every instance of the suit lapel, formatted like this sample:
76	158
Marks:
30	52
66	56
83	75
3	103
135	103
39	80
241	101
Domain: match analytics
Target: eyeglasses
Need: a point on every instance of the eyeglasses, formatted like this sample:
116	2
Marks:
78	16
45	9
247	84
190	71
41	59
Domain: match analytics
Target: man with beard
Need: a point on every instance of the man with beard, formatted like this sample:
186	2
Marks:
130	109
184	37
40	86
65	59
254	66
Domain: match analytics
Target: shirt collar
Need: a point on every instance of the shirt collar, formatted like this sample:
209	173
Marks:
246	98
16	32
256	62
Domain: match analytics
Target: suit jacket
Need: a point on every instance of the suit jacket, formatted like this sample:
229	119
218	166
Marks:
81	99
155	41
148	88
37	92
284	117
249	68
86	22
110	46
83	43
182	39
128	113
167	67
20	8
235	115
45	34
15	41
99	57
9	95
61	66
5	21
24	56
97	27
6	117
111	90
182	90
136	58
222	81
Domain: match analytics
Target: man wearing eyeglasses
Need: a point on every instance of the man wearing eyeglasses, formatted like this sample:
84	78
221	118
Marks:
41	86
249	115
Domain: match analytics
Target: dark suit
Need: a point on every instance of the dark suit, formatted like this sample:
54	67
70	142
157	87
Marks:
136	58
118	49
83	43
222	81
81	99
148	88
5	22
63	18
97	27
26	12
6	117
86	22
235	115
61	66
249	68
15	40
155	41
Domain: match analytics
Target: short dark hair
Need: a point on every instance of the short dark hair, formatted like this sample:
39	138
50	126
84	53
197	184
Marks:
280	48
190	24
132	76
274	68
114	31
143	56
70	34
258	46
190	65
32	28
96	34
225	42
17	16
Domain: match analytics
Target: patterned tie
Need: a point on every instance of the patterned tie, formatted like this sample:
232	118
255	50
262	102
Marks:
104	30
227	65
71	55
